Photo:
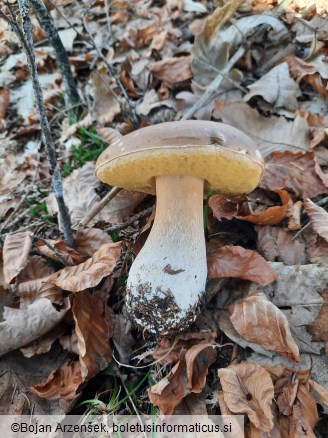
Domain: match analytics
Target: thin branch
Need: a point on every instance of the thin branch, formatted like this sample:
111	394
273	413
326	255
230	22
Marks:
26	40
98	207
46	21
214	85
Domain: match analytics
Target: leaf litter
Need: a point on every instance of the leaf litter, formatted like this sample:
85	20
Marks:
166	56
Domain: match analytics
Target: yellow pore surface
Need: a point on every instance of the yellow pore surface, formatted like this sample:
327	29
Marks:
224	170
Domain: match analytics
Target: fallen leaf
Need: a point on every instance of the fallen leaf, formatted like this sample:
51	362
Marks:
248	389
286	399
318	252
106	104
270	134
92	271
277	88
188	375
4	103
171	70
22	326
299	172
258	320
61	252
235	261
223	207
16	249
317	124
168	350
62	383
94	322
304	415
277	245
32	290
321	391
272	215
35	268
88	241
318	218
44	343
293	216
319	328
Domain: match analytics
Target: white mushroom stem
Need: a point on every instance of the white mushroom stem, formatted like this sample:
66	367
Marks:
167	278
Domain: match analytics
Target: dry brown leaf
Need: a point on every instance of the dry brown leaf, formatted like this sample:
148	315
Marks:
317	124
319	328
261	322
92	271
293	216
16	249
94	325
269	133
248	389
62	383
299	172
32	290
286	398
308	72
4	103
35	268
272	215
318	218
277	88
321	391
304	415
69	343
88	241
317	252
22	326
171	70
168	351
223	207
277	245
44	343
188	375
62	252
235	261
106	104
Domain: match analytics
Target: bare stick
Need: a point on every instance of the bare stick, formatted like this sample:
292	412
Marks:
46	21
26	40
214	85
98	207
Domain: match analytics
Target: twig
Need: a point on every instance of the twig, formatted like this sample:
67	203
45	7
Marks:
52	249
214	85
116	77
98	207
129	221
47	23
26	40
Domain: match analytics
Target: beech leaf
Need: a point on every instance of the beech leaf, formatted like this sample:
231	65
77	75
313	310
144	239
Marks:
16	249
319	328
260	321
94	324
235	261
299	172
248	389
61	383
92	271
318	218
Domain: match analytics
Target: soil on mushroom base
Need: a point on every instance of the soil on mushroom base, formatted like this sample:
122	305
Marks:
159	314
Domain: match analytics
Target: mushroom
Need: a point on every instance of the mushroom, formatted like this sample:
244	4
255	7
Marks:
178	161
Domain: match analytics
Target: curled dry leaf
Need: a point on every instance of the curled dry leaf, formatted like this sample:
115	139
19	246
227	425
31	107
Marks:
168	351
248	389
304	415
35	268
106	103
321	391
277	245
88	241
92	271
318	218
260	321
60	252
319	329
299	172
271	216
188	375
16	249
172	70
44	343
61	383
223	207
32	290
235	261
22	326
94	325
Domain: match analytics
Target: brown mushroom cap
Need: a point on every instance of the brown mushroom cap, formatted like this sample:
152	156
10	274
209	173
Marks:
223	156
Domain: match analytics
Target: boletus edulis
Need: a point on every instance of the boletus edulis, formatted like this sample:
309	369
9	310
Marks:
179	162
